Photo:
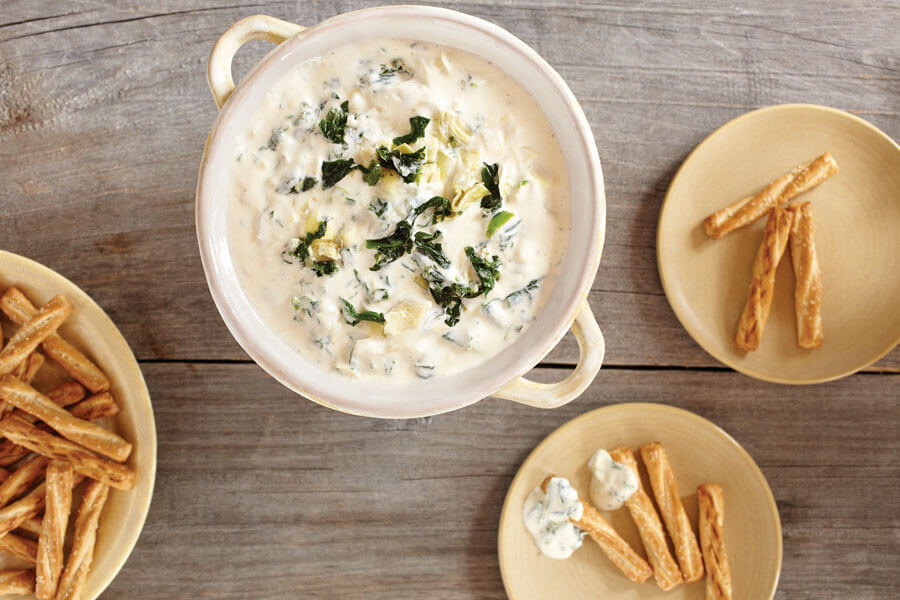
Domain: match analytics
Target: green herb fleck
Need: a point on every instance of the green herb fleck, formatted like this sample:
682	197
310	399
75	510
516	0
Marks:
354	318
498	221
334	124
417	127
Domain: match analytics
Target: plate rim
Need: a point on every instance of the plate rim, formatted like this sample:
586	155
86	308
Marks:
143	398
642	406
728	362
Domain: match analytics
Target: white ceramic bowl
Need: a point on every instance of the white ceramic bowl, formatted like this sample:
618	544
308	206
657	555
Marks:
501	375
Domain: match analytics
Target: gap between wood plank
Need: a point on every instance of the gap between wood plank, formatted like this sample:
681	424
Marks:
552	366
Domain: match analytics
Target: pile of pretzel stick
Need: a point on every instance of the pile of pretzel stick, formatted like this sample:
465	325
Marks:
52	443
792	223
687	564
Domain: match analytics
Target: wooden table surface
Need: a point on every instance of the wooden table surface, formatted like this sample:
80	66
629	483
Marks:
104	110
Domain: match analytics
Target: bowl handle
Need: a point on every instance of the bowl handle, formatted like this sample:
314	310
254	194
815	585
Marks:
552	395
257	27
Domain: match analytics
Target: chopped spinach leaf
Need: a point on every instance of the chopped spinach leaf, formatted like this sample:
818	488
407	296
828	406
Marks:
428	244
378	206
498	221
391	247
406	164
354	318
487	270
394	67
490	176
303	185
372	173
335	170
520	294
334	124
417	126
302	249
324	267
440	205
449	294
274	138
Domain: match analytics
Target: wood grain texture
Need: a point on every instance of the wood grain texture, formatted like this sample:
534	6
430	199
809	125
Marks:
104	110
270	496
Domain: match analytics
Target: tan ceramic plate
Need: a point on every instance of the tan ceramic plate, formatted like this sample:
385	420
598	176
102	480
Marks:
699	452
92	331
857	215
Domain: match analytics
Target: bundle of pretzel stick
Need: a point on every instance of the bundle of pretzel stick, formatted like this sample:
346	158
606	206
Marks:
53	442
687	565
792	223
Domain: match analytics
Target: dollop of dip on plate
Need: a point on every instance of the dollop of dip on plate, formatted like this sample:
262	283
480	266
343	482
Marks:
612	483
397	210
548	517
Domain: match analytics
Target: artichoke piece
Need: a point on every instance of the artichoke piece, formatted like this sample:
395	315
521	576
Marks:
465	198
325	250
452	130
406	315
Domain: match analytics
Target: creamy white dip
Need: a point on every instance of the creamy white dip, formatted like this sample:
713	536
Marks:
612	483
548	517
333	254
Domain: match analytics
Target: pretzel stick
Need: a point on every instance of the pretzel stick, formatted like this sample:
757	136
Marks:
665	490
29	367
19	309
57	505
34	331
11	453
64	395
617	549
71	584
712	540
801	179
96	407
32	525
808	291
17	581
22	479
13	515
642	512
20	547
91	436
85	462
762	286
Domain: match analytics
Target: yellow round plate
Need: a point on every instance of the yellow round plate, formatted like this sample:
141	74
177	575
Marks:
857	220
92	331
699	452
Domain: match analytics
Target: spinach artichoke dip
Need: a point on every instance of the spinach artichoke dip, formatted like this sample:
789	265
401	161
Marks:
398	210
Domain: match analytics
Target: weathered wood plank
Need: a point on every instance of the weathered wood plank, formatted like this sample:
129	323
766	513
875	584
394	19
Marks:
103	114
263	494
